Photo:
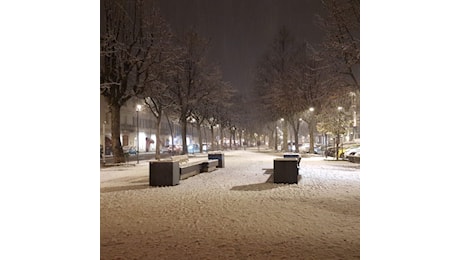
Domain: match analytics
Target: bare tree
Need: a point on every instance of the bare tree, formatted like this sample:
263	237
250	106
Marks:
217	110
189	87
220	94
275	93
341	53
159	78
311	86
342	41
128	43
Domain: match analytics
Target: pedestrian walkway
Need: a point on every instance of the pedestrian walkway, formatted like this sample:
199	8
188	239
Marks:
234	212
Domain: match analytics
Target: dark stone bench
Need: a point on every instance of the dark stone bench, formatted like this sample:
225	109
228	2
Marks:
180	167
164	173
210	165
293	155
217	156
286	170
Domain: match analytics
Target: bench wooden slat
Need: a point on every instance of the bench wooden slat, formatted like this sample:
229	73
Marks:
191	168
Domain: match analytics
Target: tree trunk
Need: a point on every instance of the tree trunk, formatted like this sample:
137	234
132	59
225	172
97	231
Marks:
117	149
296	138
157	139
172	131
326	144
213	142
285	136
231	136
337	141
221	138
184	135
200	137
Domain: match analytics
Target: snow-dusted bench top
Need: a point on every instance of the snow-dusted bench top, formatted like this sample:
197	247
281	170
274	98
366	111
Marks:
189	166
293	155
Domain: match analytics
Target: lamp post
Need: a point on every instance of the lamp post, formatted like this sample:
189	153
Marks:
232	136
138	108
103	141
311	130
338	135
276	138
299	138
285	137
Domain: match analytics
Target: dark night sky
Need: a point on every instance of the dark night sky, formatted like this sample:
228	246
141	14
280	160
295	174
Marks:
241	30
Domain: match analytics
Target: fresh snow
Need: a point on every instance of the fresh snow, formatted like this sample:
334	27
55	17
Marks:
236	212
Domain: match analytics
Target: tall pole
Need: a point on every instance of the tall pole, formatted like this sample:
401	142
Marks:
338	136
311	130
191	141
138	108
276	138
103	142
241	133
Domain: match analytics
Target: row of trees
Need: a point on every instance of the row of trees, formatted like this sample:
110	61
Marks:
301	81
142	58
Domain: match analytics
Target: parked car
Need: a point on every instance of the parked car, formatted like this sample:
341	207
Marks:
193	148
170	149
305	148
331	151
355	158
129	149
351	151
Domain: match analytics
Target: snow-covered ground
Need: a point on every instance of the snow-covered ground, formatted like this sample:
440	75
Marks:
236	212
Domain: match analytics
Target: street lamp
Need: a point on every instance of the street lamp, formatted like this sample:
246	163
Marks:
338	135
311	130
276	138
284	136
138	108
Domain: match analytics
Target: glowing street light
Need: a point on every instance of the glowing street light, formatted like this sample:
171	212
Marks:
232	134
